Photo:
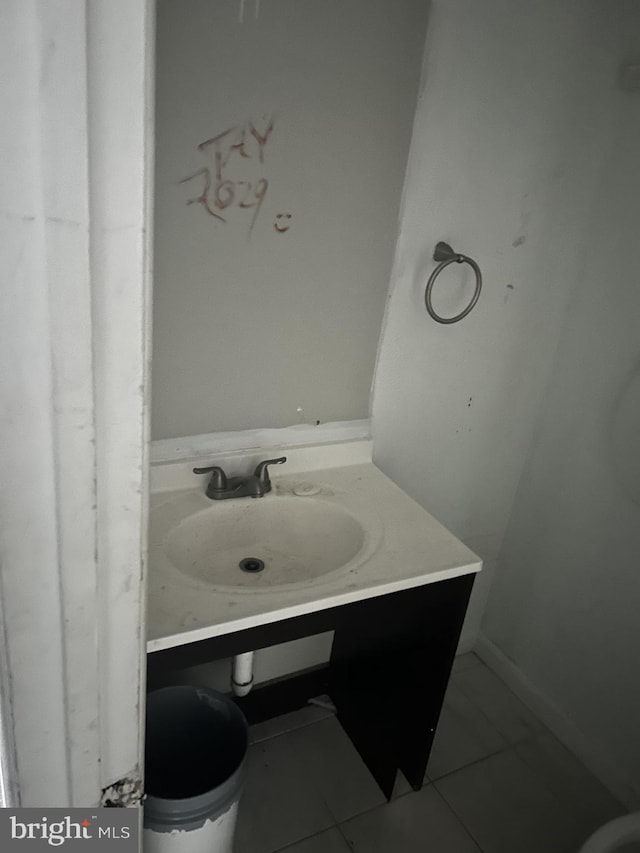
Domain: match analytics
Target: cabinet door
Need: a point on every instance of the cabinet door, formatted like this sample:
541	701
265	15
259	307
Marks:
390	664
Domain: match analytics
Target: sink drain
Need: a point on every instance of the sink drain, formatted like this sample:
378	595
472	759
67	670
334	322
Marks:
251	565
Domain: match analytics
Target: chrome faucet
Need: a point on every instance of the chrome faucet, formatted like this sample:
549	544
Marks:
220	487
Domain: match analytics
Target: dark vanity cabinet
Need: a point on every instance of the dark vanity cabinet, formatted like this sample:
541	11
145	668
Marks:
390	664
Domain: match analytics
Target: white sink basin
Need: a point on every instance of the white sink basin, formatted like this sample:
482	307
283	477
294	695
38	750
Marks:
334	530
296	538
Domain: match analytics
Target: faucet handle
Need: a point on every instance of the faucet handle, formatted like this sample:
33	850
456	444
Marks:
218	480
262	471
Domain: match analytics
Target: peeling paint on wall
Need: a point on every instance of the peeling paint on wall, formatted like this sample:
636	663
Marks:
124	794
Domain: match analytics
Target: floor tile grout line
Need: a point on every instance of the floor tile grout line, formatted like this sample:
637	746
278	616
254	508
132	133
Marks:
558	791
455	670
488	719
387	803
492	754
395	799
509	747
288	731
344	837
459	819
307	838
324	802
318	791
512	693
527	739
544	730
540	778
477	707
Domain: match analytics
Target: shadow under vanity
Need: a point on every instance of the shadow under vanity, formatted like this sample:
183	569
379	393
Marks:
396	606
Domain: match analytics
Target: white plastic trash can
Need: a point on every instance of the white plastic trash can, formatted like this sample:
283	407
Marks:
195	762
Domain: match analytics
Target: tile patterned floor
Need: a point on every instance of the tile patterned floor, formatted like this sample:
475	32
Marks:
498	782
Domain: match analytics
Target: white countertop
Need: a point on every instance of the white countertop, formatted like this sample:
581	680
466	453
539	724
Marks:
404	546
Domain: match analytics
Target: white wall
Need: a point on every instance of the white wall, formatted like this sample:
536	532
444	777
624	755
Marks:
501	165
259	328
564	606
73	89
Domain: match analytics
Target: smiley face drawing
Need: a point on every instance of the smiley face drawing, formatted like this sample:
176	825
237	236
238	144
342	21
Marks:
282	222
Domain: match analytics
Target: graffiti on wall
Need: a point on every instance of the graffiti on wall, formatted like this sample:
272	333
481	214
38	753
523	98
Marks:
228	181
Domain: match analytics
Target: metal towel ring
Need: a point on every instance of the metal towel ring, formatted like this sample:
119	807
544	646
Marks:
445	255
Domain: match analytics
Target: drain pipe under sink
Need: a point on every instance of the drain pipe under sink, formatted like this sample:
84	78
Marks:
242	674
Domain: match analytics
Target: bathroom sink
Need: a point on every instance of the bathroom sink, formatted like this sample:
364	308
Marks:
262	543
333	530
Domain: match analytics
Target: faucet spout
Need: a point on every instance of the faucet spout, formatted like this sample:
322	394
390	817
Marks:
256	485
